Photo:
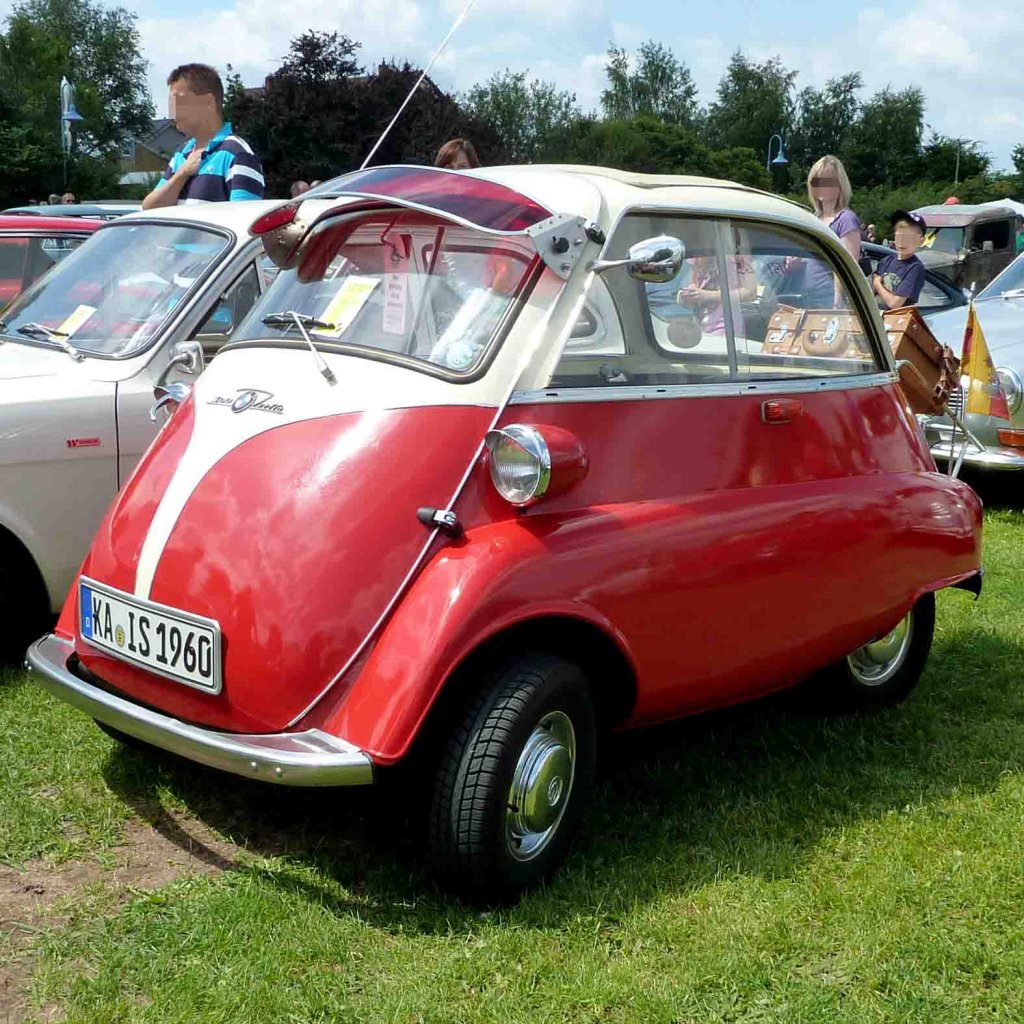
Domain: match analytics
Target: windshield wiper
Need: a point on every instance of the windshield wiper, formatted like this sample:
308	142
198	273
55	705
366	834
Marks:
302	321
1013	293
57	337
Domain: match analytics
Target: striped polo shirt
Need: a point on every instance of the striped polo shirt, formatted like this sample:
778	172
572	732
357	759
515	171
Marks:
229	170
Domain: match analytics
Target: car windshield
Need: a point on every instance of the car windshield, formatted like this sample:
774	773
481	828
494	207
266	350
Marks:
1010	280
406	285
949	240
111	296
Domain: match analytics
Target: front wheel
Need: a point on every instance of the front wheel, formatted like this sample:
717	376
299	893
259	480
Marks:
515	780
883	672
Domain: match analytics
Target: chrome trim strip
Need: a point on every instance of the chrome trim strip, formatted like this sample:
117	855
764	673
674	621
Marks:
310	758
988	458
620	393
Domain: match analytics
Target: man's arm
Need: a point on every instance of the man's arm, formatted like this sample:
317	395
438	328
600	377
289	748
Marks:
168	191
891	299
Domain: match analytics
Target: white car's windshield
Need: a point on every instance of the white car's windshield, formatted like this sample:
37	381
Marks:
111	296
1010	280
407	285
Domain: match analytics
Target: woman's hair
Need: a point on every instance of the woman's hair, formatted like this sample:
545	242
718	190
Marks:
830	166
456	147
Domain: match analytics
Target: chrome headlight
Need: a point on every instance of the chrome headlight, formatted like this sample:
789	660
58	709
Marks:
520	463
1013	387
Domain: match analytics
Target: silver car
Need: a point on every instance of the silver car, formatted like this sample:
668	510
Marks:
994	444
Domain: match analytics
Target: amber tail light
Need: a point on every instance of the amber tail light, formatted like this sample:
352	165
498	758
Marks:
1011	438
528	463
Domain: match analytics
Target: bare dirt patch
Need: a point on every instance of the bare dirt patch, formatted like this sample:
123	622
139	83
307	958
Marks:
40	896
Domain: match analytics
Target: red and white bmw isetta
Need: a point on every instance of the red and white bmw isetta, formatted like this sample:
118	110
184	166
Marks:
503	459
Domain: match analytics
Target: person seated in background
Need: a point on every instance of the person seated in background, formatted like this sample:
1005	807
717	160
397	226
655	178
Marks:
899	278
457	155
299	187
870	234
68	198
704	293
54	199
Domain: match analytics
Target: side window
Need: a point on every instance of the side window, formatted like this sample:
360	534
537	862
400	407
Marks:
231	309
749	303
12	266
995	231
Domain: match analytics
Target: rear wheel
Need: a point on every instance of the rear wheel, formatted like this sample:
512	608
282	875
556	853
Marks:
883	672
515	780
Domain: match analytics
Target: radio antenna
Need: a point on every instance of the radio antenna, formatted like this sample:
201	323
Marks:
412	92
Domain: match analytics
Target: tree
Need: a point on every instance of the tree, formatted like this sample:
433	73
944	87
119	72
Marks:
940	160
1018	161
320	114
658	86
98	50
885	143
531	118
649	146
754	102
823	119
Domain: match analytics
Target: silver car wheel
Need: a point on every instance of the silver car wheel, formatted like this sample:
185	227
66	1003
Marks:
877	662
541	786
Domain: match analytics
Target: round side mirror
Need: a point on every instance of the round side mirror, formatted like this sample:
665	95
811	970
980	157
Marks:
656	260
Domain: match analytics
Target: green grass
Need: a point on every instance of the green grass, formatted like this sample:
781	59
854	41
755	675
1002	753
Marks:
766	864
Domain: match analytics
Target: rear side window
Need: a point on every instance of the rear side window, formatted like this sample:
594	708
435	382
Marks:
996	231
749	303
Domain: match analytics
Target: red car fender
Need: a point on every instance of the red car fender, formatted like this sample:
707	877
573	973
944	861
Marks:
468	594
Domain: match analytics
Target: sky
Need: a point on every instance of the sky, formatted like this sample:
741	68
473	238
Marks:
970	67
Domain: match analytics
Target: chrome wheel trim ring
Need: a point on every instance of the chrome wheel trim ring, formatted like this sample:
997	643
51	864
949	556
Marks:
877	662
541	786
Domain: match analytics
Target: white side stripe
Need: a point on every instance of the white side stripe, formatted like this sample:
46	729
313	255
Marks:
240	170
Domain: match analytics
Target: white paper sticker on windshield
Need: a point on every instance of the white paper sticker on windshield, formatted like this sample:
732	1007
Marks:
396	298
77	318
346	304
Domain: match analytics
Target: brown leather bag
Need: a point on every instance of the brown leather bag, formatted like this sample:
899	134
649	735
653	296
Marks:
933	370
816	332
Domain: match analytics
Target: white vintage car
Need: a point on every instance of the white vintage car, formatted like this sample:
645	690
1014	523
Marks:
80	354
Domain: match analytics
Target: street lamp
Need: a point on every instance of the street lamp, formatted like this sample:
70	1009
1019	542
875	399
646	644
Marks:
780	158
68	113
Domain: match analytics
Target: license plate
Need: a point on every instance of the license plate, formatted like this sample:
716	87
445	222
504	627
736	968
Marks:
172	643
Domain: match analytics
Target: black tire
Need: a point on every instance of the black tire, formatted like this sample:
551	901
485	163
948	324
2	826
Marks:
24	603
865	679
531	710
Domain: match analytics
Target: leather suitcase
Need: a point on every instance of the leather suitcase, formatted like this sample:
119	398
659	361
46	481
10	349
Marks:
936	371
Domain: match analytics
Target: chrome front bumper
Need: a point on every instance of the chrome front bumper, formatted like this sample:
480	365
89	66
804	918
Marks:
981	458
310	758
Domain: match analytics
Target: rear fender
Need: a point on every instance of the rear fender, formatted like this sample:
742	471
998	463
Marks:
474	593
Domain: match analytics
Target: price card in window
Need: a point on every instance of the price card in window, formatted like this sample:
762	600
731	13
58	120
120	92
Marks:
346	304
396	296
75	320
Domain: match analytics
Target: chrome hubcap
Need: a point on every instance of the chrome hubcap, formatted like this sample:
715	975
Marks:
877	662
541	785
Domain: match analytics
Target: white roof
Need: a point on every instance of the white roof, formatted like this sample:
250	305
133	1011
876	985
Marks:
237	216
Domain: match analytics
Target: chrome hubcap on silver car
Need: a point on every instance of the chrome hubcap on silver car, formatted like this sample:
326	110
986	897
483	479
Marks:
877	662
541	785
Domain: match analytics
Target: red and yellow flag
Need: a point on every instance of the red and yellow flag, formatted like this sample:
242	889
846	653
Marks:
984	392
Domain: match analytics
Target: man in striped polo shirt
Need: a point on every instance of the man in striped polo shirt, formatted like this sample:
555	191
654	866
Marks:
214	165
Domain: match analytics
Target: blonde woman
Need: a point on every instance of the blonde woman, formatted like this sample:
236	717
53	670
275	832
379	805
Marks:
828	189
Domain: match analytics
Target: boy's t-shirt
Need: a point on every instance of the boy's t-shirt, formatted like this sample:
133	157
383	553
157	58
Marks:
904	277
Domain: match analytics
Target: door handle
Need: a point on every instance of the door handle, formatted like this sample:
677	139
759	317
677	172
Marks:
781	410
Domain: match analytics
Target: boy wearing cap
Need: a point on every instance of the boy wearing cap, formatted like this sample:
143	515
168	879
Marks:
899	278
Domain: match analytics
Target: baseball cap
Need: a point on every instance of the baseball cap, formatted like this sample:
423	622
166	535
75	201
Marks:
911	218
